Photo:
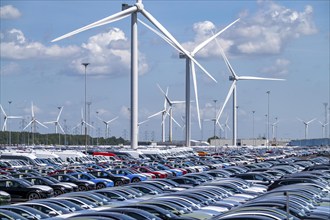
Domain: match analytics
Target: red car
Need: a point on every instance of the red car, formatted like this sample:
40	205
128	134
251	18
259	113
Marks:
144	169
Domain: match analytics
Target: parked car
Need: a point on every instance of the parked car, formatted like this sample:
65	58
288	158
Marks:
118	180
20	189
83	185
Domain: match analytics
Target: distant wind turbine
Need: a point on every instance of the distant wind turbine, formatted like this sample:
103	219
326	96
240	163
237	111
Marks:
82	123
170	112
274	129
7	117
57	121
306	123
107	125
323	128
163	112
232	91
34	121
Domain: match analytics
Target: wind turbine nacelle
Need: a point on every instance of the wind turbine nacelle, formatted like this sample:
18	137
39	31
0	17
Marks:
231	78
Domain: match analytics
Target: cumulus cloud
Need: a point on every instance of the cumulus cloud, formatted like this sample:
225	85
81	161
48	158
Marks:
15	46
271	28
280	67
9	12
109	54
266	31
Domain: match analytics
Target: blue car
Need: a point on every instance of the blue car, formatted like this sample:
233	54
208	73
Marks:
134	177
100	182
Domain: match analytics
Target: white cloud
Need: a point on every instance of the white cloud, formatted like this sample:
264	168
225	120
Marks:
279	68
9	12
125	112
266	31
15	46
271	27
109	54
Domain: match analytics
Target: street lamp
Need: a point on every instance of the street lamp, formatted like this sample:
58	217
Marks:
268	93
85	105
215	117
253	127
9	133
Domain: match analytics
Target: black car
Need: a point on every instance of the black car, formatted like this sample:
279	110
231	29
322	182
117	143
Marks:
20	189
117	180
58	188
83	185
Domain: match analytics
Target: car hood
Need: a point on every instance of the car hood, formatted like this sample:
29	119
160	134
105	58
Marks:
42	187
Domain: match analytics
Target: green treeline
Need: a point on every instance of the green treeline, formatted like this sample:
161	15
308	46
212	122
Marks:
28	138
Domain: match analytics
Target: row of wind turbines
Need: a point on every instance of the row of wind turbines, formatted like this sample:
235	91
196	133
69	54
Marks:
162	32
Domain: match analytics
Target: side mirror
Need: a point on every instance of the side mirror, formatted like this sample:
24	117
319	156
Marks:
52	213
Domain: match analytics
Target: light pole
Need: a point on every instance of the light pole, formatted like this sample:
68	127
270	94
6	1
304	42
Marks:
215	117
253	128
268	93
85	105
9	132
97	129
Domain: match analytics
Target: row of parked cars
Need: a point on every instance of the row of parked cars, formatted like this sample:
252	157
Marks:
284	188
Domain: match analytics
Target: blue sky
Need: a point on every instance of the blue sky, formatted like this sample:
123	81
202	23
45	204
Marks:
282	39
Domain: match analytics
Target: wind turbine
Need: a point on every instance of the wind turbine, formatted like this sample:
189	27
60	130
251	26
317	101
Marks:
6	117
82	123
34	121
107	125
226	126
323	128
232	91
170	112
133	10
57	121
306	123
274	129
163	112
190	69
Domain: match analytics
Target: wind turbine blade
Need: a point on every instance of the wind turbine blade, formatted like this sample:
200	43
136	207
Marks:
82	114
231	70
50	122
14	117
176	122
220	126
203	44
300	120
101	119
165	103
166	97
311	121
158	113
226	100
3	111
167	34
142	122
112	120
41	124
28	125
89	125
161	36
193	73
107	20
61	128
257	78
32	110
59	114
